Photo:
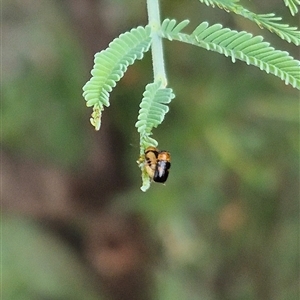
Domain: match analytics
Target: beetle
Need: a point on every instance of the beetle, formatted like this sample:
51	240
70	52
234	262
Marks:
162	166
151	154
157	164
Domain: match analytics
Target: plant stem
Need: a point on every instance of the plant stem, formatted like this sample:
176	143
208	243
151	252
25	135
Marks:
156	47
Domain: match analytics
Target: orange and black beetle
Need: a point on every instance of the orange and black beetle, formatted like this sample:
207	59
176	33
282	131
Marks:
162	167
157	164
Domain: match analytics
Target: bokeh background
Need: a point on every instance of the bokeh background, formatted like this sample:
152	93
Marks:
75	224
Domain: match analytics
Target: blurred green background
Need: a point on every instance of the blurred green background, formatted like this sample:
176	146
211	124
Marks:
75	224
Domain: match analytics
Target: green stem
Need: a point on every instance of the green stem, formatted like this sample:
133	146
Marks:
156	47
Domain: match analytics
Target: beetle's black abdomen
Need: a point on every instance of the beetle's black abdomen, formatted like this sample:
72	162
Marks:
162	171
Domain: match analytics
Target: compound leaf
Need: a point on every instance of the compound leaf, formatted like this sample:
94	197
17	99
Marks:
242	46
153	108
110	66
269	21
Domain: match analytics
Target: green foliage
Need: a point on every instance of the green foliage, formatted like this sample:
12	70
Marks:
110	66
239	45
152	112
268	21
170	26
292	5
233	134
284	31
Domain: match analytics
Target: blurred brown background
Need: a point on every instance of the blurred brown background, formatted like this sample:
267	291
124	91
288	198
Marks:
75	224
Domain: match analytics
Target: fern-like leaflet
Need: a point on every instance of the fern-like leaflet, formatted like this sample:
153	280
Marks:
269	21
223	4
292	5
153	109
240	45
172	27
110	66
